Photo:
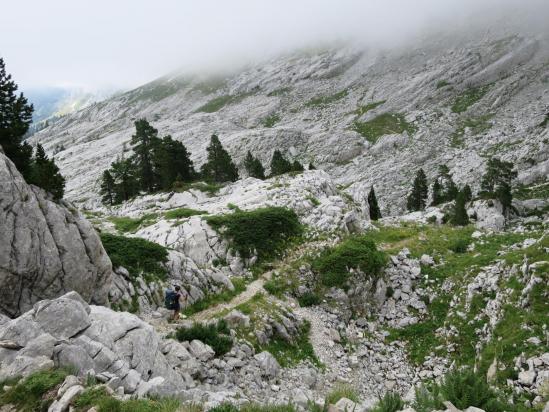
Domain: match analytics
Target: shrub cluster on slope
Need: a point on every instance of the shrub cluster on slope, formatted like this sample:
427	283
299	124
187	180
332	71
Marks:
266	231
216	335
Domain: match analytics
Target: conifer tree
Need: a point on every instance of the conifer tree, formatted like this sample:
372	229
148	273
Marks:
15	119
375	212
123	172
297	167
497	182
467	193
279	164
438	195
312	166
172	163
418	197
45	174
145	141
253	166
107	190
460	217
219	167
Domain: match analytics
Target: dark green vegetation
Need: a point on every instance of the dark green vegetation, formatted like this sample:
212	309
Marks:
183	213
216	335
477	125
291	354
254	407
209	188
386	123
136	254
375	212
220	102
253	166
280	165
366	108
545	121
214	299
358	252
326	100
417	199
270	120
15	120
219	166
131	225
391	402
98	397
469	97
444	189
32	394
442	83
463	388
157	164
497	182
266	231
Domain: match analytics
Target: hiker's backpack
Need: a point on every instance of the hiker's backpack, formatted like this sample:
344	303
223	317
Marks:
170	299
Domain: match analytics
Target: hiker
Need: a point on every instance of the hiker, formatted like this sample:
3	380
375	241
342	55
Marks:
172	301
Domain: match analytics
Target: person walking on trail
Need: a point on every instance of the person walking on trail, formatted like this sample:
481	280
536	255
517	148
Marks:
173	300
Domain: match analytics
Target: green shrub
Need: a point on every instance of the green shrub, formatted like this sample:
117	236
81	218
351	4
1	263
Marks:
225	407
213	334
270	120
341	391
126	224
308	299
391	402
460	245
28	394
210	300
386	123
276	286
290	354
469	97
136	254
357	252
182	213
266	230
325	100
463	388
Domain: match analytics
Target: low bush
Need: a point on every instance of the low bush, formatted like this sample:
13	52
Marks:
357	252
29	394
391	402
215	335
308	299
267	230
126	224
182	213
463	388
460	245
136	254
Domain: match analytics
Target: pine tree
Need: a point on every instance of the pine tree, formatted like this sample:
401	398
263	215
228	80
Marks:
45	174
497	182
467	192
418	198
279	165
297	167
107	189
438	195
125	178
460	217
219	166
145	141
449	190
375	212
15	119
253	166
172	163
311	166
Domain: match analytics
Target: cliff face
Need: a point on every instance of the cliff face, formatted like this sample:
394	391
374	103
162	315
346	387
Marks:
46	248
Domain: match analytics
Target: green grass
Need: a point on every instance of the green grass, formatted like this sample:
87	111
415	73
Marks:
213	299
253	407
341	391
137	255
442	83
270	120
220	102
280	92
391	402
326	100
469	97
358	252
386	123
125	224
97	396
183	213
267	231
366	108
477	125
216	335
32	393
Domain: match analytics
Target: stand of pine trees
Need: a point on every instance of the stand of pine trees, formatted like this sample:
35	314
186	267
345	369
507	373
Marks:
444	189
497	182
15	120
253	166
280	165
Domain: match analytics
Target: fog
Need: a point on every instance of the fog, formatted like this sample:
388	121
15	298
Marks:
125	43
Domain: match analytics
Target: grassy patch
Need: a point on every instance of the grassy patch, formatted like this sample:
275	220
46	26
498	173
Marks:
442	83
326	100
32	393
216	335
270	120
266	231
469	97
477	125
125	224
353	253
291	354
366	108
219	102
183	213
208	188
391	402
211	300
341	391
386	123
253	407
136	254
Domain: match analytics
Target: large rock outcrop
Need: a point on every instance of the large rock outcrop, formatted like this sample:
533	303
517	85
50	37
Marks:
46	248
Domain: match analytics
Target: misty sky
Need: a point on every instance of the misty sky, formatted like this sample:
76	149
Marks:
125	43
